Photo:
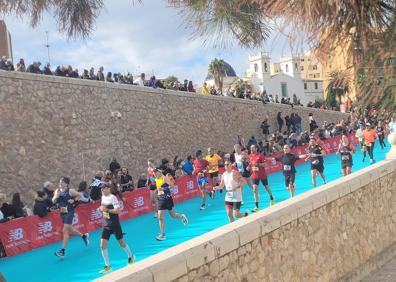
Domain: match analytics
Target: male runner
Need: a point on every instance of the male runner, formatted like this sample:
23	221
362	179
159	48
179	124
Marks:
201	171
369	135
213	160
346	149
315	154
110	208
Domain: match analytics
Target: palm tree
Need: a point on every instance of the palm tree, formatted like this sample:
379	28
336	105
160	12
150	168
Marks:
217	68
339	84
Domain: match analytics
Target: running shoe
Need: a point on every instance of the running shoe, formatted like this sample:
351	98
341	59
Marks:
131	259
155	215
255	209
60	254
85	238
202	207
184	219
246	213
106	269
160	237
272	202
372	161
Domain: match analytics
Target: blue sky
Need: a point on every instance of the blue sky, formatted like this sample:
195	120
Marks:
148	38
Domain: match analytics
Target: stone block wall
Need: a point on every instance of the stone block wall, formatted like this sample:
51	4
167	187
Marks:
334	233
52	126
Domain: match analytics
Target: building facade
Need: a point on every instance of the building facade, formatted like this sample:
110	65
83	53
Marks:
5	41
284	78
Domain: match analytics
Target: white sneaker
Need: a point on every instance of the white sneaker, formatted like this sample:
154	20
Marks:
202	207
160	237
184	219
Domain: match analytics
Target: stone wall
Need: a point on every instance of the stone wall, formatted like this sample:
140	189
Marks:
333	233
53	126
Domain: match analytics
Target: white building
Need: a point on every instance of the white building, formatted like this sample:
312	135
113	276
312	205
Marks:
283	78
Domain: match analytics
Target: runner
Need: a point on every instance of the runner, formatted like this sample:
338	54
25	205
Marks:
200	170
233	182
242	164
213	160
359	136
165	201
346	149
380	130
66	198
315	154
289	170
369	135
110	208
258	173
151	184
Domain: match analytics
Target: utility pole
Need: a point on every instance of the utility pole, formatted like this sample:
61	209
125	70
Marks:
48	48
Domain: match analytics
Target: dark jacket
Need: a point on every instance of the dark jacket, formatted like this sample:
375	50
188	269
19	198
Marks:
40	207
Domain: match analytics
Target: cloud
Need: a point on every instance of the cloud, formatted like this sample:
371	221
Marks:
127	38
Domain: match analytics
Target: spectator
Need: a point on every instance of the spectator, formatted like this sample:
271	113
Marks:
34	68
85	196
21	66
279	119
204	89
92	75
114	166
19	206
152	82
252	141
40	207
47	70
61	71
6	209
9	66
85	74
100	75
3	63
159	84
2	219
312	123
95	186
126	181
190	87
165	168
108	77
265	128
48	189
187	165
73	73
140	80
142	181
295	100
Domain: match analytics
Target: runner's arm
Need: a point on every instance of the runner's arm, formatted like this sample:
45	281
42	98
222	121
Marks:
221	185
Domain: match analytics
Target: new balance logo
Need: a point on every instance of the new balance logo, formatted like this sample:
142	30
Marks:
95	214
15	234
174	190
44	227
190	185
138	202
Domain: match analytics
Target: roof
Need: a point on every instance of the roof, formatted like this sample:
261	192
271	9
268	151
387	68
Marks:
230	72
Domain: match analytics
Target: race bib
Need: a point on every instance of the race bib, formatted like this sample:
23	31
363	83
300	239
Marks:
63	209
345	158
287	167
229	194
255	168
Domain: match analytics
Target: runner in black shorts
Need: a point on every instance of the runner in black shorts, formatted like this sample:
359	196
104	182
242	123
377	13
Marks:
110	208
315	154
289	170
346	150
165	201
151	184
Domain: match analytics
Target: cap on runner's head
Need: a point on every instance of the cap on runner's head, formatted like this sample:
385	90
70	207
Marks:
65	180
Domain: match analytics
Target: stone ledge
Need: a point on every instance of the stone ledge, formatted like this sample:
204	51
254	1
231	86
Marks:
101	84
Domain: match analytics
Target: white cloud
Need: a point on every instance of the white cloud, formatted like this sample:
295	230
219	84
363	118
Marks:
137	38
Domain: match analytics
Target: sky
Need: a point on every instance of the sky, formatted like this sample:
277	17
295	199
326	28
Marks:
148	37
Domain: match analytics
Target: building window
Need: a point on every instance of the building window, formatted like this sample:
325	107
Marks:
316	85
305	86
295	66
284	89
315	67
302	68
287	68
255	68
265	67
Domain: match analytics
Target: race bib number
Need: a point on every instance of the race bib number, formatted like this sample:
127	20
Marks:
63	209
345	158
229	194
287	167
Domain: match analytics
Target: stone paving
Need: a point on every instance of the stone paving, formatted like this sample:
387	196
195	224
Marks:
385	274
